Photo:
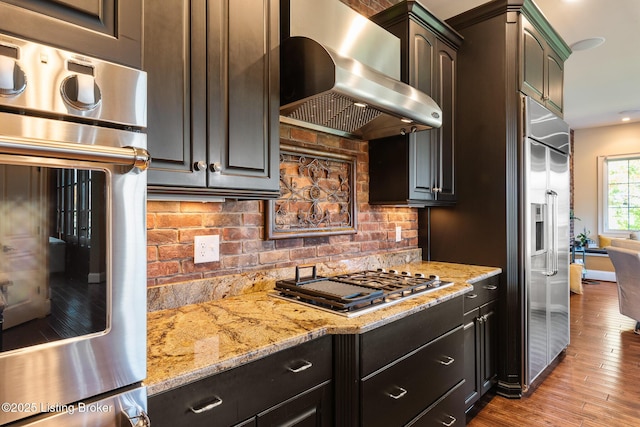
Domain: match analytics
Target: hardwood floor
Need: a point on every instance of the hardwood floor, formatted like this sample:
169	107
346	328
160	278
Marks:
596	384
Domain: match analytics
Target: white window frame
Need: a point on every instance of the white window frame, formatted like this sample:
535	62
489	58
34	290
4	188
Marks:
603	226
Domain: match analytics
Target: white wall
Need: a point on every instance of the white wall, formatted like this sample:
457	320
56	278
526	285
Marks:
589	144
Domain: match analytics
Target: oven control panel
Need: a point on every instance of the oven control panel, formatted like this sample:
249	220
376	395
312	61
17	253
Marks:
84	88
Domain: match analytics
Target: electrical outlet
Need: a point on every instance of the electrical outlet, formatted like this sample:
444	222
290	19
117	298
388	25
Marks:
398	233
206	249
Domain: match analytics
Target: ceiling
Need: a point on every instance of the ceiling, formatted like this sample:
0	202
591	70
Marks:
599	83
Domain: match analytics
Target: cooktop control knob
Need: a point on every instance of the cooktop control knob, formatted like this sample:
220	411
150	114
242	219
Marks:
81	92
13	81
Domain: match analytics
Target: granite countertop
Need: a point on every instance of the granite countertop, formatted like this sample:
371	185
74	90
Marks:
194	341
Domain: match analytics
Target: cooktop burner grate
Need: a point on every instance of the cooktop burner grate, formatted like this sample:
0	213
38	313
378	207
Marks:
356	293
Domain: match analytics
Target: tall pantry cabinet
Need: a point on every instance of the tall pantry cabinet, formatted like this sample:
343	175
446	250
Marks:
510	51
213	98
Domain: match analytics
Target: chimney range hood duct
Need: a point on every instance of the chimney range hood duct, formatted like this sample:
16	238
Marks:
339	73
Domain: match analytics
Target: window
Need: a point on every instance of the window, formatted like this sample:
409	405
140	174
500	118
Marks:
620	193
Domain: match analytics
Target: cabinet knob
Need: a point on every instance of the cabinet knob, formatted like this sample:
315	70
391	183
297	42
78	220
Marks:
200	166
472	296
215	167
491	287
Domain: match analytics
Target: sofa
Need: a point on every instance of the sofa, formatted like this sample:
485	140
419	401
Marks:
625	256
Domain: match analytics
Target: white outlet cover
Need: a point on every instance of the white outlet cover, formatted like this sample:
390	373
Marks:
206	249
398	233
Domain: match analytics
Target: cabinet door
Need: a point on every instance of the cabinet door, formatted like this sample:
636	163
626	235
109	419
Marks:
106	29
423	66
555	82
444	136
542	70
173	42
243	95
533	62
310	409
472	358
489	371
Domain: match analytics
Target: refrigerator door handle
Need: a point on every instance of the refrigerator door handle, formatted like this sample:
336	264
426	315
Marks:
552	220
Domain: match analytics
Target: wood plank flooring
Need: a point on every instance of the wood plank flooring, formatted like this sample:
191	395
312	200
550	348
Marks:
596	384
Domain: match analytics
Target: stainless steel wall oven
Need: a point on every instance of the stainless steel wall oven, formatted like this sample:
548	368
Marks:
72	238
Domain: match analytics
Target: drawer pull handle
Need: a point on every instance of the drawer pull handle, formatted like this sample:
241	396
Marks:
491	287
450	423
306	365
209	406
472	296
400	395
447	362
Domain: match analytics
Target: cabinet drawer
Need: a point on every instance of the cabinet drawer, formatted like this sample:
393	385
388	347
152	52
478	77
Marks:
384	345
237	394
311	408
448	411
401	391
483	291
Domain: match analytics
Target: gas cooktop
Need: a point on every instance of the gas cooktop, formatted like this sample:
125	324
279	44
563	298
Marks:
358	293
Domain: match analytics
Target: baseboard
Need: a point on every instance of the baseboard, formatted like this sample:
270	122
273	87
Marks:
608	276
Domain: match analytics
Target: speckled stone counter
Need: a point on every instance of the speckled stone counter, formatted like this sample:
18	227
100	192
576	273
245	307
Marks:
195	341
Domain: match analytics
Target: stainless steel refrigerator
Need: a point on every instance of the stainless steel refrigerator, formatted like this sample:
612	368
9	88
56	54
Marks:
546	200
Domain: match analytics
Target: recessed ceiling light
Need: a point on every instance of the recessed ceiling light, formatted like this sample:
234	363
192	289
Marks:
628	114
360	104
406	120
587	44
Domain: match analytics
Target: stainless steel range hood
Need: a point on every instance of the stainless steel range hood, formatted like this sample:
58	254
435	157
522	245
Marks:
340	73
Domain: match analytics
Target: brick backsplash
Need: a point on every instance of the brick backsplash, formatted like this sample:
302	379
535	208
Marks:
171	227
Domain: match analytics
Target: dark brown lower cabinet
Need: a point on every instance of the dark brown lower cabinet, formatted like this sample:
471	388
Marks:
408	372
401	391
398	373
480	342
291	387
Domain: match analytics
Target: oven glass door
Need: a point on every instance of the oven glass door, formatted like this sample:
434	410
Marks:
73	296
53	266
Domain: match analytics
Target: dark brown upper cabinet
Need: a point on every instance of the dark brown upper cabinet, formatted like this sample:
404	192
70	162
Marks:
213	92
418	169
542	68
106	29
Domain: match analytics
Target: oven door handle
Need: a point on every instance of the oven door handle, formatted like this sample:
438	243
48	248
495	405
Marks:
126	156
